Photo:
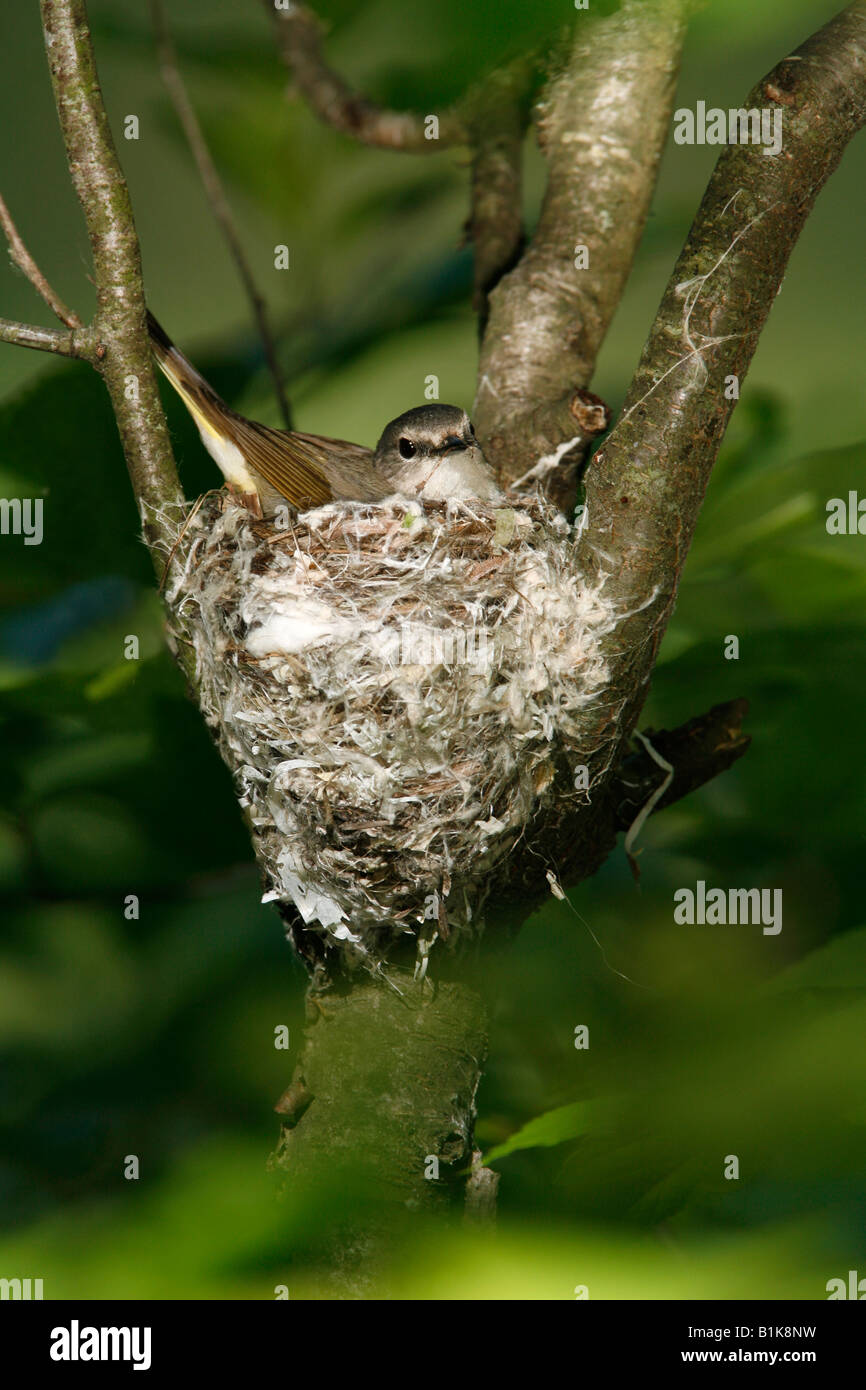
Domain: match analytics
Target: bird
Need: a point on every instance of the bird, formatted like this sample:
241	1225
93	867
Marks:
430	451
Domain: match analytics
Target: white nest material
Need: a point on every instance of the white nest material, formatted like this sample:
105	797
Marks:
395	689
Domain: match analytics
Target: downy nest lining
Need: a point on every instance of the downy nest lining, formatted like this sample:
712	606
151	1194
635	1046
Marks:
395	690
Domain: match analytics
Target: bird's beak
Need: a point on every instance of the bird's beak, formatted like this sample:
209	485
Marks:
452	442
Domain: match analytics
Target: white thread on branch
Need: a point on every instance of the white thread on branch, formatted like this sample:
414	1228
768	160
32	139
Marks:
692	290
547	463
646	810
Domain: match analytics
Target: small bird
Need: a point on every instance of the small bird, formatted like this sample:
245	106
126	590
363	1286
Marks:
429	452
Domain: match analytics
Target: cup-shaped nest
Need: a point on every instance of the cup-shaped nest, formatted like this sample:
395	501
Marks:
396	690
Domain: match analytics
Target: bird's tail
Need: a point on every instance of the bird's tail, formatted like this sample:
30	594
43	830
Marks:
290	464
209	410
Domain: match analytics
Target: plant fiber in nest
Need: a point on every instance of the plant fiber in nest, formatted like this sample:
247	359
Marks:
396	689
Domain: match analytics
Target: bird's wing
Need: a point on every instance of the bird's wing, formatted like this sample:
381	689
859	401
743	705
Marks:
346	469
349	468
285	460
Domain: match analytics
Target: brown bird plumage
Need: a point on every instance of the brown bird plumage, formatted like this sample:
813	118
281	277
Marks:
430	451
274	466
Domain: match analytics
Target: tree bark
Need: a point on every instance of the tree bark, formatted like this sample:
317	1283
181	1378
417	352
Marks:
602	123
123	358
646	485
381	1110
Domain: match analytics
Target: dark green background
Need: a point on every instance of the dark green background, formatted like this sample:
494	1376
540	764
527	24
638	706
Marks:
155	1037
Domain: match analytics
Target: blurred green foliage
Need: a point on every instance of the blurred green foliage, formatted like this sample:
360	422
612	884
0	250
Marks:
153	1034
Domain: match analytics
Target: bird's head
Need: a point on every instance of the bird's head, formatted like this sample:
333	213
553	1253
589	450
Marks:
432	451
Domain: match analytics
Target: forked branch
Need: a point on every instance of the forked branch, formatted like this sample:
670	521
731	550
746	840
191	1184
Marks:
602	120
645	487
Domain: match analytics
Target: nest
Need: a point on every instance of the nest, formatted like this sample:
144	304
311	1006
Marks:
395	688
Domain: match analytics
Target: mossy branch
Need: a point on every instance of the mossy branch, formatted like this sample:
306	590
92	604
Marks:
382	1108
122	355
601	120
645	487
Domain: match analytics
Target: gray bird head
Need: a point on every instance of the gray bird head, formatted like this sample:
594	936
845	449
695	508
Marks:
432	451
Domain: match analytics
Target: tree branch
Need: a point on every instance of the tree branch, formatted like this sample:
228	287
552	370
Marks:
602	121
646	485
698	751
497	115
124	358
385	1084
23	259
216	196
299	35
75	343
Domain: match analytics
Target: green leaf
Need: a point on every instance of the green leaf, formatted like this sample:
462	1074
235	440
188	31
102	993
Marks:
553	1127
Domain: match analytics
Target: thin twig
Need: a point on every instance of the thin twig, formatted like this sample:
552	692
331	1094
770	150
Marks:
299	34
215	194
71	344
23	259
699	750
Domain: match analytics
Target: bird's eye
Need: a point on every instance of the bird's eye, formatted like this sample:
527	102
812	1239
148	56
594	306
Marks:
407	448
